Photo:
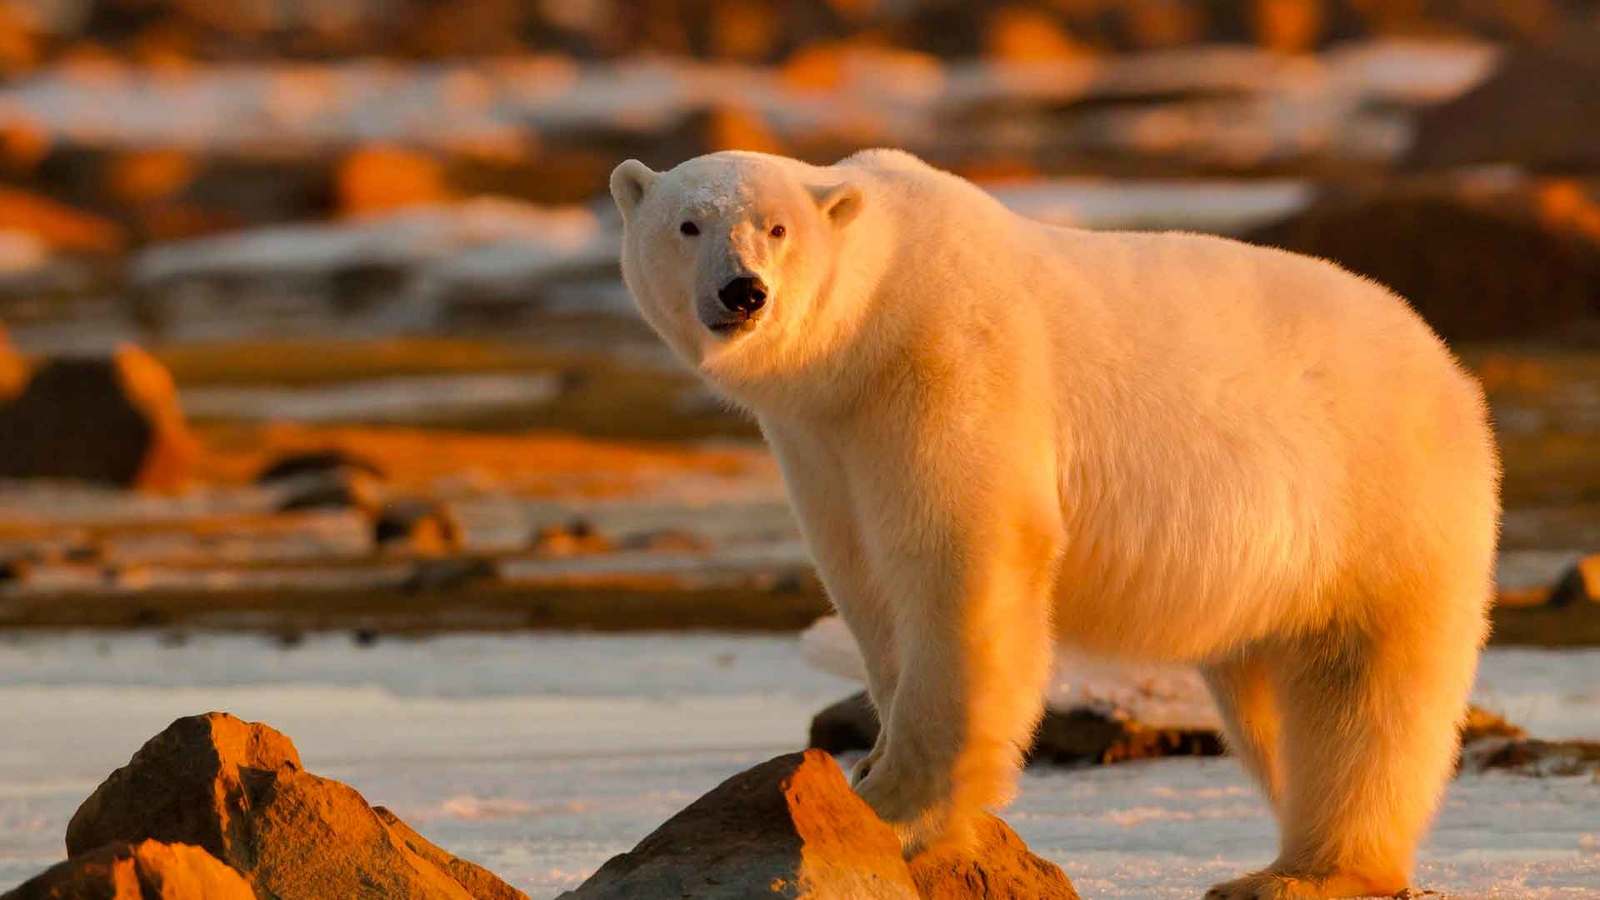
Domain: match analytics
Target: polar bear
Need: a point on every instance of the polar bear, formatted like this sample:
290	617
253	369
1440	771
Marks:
998	433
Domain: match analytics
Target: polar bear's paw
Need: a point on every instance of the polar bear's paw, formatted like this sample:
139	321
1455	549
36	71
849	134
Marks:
1277	886
863	766
917	807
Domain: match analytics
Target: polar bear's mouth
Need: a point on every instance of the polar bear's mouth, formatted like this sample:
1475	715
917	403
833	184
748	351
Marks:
731	326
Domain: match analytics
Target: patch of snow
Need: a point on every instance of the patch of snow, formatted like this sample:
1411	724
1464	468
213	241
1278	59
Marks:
1225	207
398	399
402	238
542	755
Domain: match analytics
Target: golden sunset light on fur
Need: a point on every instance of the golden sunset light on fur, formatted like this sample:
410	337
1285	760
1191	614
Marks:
826	450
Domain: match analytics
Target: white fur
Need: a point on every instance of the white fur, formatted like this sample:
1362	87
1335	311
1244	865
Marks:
1163	446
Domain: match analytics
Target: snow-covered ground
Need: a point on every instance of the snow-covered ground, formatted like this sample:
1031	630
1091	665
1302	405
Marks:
542	755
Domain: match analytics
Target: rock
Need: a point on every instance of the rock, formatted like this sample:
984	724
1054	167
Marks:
417	526
1579	584
332	490
478	881
185	785
1529	756
58	226
1500	263
377	179
666	540
848	725
317	462
237	789
147	870
1000	867
1535	110
113	420
13	368
574	538
1092	736
792	827
1077	736
323	479
1480	723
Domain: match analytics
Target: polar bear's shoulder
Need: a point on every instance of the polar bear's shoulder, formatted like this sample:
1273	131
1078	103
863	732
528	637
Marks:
885	158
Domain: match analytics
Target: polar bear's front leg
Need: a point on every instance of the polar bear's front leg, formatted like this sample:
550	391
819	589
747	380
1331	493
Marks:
974	645
822	499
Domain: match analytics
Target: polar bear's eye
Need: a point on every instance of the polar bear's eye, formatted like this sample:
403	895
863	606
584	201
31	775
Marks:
689	228
778	231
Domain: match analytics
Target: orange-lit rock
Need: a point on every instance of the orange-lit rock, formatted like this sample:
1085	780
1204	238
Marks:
13	368
735	128
146	870
146	175
23	144
113	420
1580	584
1288	26
376	179
792	827
1165	23
743	31
237	789
1021	34
59	226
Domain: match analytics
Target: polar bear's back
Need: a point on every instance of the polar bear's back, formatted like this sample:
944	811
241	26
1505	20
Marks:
1266	424
1236	423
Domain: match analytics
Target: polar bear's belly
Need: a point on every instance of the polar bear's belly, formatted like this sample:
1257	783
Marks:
1178	561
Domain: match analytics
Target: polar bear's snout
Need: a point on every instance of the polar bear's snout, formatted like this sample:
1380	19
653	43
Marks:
743	295
738	302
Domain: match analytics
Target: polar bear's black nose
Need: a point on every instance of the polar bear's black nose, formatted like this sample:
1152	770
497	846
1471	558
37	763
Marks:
743	295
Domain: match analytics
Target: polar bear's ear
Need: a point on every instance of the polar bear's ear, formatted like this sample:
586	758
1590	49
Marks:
839	203
629	181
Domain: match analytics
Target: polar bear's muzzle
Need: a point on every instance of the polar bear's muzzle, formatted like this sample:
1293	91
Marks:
738	302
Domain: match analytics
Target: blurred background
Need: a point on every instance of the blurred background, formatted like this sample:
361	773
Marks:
313	330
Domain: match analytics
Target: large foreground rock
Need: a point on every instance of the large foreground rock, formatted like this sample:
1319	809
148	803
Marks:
148	870
792	827
237	790
1080	736
112	420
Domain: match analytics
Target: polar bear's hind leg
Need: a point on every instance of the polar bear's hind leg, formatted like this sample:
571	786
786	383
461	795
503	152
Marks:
1370	719
1242	690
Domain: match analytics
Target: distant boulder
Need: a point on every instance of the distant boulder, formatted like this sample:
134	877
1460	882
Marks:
1513	262
111	420
147	870
1533	757
419	526
237	790
13	368
1078	736
1579	585
316	462
792	827
1539	109
323	479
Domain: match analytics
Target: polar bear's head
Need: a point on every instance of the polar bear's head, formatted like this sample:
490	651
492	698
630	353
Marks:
729	256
